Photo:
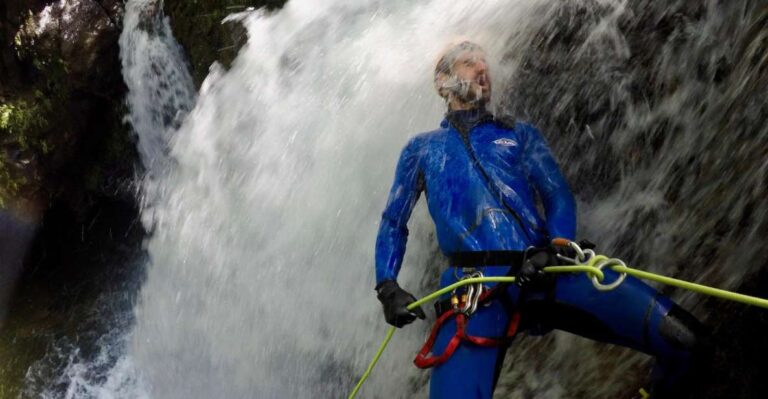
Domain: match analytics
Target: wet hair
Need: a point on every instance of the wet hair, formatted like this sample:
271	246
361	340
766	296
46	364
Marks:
444	66
448	58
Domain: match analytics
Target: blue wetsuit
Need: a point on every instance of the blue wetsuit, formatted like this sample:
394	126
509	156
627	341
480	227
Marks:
471	216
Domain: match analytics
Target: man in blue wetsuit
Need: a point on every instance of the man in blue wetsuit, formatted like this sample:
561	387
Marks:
481	177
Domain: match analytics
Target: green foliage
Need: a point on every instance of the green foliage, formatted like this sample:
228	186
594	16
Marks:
9	184
21	42
29	121
21	121
22	127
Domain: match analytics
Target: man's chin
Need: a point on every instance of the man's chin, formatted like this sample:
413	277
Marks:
476	99
480	101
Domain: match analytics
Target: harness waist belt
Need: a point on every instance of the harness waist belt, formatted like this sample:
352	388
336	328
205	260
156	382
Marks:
486	258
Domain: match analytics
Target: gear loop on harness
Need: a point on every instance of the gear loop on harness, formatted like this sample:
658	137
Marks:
424	360
462	309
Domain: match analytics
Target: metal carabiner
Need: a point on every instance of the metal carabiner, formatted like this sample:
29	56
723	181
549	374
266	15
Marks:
615	283
582	255
476	299
474	292
470	289
471	296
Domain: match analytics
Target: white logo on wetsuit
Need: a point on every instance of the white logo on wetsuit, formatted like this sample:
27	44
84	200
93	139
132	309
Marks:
506	142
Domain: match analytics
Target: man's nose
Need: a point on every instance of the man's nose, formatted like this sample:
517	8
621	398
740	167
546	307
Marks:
481	66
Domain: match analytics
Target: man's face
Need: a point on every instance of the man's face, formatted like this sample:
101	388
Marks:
471	69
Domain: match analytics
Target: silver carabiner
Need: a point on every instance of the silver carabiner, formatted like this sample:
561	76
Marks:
468	303
456	303
582	255
473	293
615	283
476	299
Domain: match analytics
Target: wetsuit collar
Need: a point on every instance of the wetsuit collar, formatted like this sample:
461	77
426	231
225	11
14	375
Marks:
465	120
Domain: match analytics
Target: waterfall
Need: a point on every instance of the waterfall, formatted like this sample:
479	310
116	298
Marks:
264	222
160	89
263	191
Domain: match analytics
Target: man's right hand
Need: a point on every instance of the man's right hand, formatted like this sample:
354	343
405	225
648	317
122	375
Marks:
531	272
395	301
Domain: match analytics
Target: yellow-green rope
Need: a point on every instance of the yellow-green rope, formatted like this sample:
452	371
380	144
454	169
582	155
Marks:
383	346
701	289
589	268
550	269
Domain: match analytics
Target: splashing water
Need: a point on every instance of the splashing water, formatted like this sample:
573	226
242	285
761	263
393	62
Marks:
260	282
263	190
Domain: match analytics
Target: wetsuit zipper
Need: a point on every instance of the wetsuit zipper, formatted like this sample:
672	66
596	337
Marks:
464	135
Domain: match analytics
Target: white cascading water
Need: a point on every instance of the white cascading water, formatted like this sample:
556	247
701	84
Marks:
264	204
160	88
263	191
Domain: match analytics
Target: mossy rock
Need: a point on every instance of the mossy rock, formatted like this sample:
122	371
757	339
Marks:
197	25
24	123
60	121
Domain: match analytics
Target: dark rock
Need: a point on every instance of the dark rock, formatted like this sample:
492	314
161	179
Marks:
82	36
64	98
68	163
667	99
16	235
198	28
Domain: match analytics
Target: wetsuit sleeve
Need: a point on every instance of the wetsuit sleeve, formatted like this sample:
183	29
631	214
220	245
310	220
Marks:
559	204
393	229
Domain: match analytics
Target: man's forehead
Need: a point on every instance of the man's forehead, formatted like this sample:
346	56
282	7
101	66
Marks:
462	51
473	55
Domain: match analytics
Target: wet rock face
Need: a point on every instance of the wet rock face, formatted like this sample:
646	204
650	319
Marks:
77	31
67	165
10	66
15	238
60	95
657	112
662	100
60	91
198	28
82	34
61	139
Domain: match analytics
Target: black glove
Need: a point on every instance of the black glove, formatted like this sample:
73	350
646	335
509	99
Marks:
395	299
532	270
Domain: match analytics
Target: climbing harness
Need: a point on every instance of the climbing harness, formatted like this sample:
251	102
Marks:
463	306
585	261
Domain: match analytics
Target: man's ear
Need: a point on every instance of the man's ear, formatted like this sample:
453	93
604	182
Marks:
440	84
